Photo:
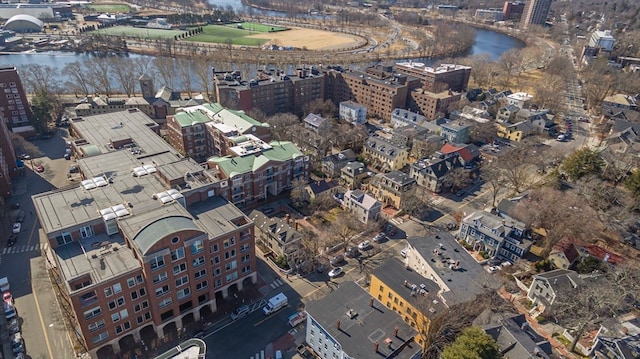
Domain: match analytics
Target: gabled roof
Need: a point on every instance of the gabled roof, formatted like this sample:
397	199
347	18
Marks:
463	151
517	339
560	279
567	248
280	151
318	187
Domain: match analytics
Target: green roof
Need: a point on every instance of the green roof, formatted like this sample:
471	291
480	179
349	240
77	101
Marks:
186	119
154	231
281	151
248	118
237	119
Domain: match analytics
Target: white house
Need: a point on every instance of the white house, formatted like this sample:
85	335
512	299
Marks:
353	112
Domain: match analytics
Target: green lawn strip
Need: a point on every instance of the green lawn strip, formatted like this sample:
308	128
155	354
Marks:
112	8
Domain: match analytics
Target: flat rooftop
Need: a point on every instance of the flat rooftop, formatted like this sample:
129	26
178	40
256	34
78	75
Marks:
101	256
361	325
457	285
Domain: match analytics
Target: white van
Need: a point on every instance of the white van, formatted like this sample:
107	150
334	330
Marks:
560	138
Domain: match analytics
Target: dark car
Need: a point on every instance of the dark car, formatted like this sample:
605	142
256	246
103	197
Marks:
352	252
337	260
11	241
15	206
20	217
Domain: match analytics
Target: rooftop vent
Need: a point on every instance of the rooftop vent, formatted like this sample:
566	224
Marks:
168	196
352	313
95	182
118	210
144	170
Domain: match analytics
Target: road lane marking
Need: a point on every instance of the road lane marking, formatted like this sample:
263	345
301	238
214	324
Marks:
44	330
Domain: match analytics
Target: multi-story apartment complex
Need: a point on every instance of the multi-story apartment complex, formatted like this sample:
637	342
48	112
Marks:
535	13
432	104
270	91
391	188
205	130
512	10
14	105
145	245
8	165
602	40
258	169
437	79
498	237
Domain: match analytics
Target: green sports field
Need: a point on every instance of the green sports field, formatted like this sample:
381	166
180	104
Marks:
253	26
141	32
219	34
111	8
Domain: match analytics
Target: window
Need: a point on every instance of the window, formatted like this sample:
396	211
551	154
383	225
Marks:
246	258
218	283
201	286
177	254
179	268
139	279
160	277
115	317
92	313
100	337
112	305
216	260
124	314
108	292
143	292
120	301
165	302
97	325
214	248
147	315
117	288
200	273
131	282
184	293
182	281
86	232
162	291
140	320
134	295
198	261
246	269
217	272
231	265
381	289
229	242
175	240
157	262
126	325
245	247
118	329
137	308
197	247
232	276
63	238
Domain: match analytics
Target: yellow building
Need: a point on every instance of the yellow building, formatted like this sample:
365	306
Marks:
407	293
391	188
515	131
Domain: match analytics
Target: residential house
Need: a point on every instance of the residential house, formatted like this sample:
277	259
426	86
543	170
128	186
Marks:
260	170
469	113
439	258
541	121
362	205
430	172
401	117
546	287
515	337
618	338
352	112
564	255
316	123
406	135
456	131
277	236
332	165
497	237
358	327
407	293
352	174
317	188
520	99
384	154
467	154
507	114
514	132
620	101
391	188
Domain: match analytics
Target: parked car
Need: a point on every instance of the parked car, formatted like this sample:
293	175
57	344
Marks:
240	312
404	252
74	169
337	260
17	227
267	210
352	252
379	237
13	325
493	269
335	272
451	226
7	298
11	241
40	168
17	343
10	311
20	217
460	193
364	245
24	156
15	206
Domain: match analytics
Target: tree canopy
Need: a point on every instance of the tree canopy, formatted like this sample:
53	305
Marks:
472	343
583	162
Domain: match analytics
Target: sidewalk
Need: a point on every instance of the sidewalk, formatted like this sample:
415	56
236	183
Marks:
538	328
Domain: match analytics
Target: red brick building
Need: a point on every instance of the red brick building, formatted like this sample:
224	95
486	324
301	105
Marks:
14	105
437	79
8	166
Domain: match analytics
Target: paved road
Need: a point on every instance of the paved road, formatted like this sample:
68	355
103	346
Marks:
42	328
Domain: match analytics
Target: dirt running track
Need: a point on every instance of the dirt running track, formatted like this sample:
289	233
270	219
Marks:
311	38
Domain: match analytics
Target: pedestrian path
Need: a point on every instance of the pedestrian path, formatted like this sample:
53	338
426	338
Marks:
437	200
20	249
276	283
259	355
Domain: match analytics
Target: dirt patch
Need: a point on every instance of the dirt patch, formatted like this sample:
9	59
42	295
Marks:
311	39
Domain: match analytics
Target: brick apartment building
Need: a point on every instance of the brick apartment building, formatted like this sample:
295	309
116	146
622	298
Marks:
512	10
437	79
258	170
8	166
206	130
271	91
14	105
431	104
146	244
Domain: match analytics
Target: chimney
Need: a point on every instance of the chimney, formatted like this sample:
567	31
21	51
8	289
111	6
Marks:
338	324
371	302
287	217
395	331
375	346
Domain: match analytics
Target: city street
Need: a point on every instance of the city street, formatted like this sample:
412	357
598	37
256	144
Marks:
42	325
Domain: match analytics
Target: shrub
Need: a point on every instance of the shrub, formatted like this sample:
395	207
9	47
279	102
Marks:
282	262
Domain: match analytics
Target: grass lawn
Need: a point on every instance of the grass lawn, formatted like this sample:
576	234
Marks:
253	26
139	32
111	8
220	34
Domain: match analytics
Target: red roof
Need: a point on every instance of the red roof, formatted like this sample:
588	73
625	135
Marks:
600	253
463	152
449	148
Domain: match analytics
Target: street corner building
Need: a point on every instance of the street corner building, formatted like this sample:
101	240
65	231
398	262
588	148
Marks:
147	243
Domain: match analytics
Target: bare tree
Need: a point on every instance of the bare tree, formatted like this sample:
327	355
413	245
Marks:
510	61
299	192
40	78
185	73
202	70
324	108
415	202
77	78
515	169
345	229
560	214
99	76
165	67
493	177
125	73
281	125
456	178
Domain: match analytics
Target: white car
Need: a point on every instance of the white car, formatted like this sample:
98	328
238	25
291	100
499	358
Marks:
493	269
16	227
404	252
364	245
335	272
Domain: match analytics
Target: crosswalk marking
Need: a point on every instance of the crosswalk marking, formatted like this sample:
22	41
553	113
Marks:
437	200
258	355
21	249
276	283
